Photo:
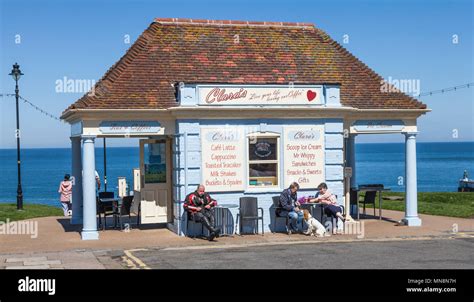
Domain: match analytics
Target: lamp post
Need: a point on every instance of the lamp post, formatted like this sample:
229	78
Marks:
16	74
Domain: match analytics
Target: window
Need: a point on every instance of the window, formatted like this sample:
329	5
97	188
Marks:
155	162
263	161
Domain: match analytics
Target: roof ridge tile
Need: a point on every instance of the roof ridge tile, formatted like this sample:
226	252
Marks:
232	22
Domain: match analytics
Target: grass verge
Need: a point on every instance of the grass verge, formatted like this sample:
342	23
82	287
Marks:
453	204
9	211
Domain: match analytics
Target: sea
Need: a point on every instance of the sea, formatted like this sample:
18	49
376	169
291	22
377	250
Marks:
440	166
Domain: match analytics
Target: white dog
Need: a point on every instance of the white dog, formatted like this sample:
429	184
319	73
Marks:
315	228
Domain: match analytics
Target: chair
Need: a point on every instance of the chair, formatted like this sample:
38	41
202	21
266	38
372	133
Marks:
278	209
139	214
248	210
354	201
370	199
106	208
125	209
189	218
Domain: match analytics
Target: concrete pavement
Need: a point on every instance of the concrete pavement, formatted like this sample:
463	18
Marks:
52	260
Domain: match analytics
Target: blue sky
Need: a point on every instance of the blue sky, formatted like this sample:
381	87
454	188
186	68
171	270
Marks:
82	39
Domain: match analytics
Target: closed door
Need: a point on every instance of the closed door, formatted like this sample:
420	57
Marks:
155	178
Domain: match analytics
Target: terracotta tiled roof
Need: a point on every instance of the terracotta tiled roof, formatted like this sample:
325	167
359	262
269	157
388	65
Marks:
170	51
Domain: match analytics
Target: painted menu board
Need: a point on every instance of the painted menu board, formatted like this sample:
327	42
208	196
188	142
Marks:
222	156
304	155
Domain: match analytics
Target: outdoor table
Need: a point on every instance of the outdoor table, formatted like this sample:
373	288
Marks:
372	189
312	206
116	202
222	208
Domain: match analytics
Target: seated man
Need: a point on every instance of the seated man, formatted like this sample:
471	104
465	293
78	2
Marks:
291	206
199	205
329	201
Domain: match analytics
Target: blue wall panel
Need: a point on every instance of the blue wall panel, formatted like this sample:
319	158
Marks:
187	157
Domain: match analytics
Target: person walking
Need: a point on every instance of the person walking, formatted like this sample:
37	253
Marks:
65	190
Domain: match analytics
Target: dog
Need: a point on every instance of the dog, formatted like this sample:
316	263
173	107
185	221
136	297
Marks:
315	228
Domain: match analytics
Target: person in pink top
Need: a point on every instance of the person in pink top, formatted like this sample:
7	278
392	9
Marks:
65	189
329	200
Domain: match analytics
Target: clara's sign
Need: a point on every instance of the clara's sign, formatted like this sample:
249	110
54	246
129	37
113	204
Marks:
129	127
259	95
304	156
378	126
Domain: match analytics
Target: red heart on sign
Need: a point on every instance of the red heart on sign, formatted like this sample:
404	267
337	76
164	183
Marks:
311	95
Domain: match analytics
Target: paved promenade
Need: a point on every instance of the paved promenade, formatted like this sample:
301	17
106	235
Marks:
58	244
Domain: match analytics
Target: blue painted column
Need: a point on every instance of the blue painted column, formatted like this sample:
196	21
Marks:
352	159
77	184
411	200
89	229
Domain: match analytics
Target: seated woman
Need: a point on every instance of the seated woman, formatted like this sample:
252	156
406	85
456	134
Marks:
329	201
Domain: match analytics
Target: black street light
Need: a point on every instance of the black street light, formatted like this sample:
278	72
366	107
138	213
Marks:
16	74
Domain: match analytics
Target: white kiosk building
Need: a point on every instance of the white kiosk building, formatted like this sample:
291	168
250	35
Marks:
244	108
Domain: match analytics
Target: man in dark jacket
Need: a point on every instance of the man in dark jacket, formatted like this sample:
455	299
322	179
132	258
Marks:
291	207
199	204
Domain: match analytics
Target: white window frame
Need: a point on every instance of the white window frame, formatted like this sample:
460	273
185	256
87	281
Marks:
275	161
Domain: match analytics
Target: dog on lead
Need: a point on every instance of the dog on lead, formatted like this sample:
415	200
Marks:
315	228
